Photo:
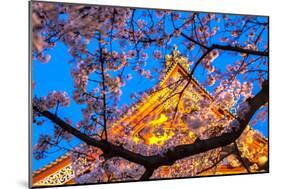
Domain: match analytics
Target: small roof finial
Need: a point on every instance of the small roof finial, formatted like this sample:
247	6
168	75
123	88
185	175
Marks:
176	53
176	58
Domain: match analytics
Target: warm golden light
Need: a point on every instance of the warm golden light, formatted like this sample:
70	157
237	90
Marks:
191	135
262	160
136	139
164	100
160	140
160	120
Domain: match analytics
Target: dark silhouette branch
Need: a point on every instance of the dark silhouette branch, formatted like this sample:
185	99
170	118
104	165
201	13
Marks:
226	47
239	50
238	154
182	151
147	174
216	163
103	88
222	47
194	41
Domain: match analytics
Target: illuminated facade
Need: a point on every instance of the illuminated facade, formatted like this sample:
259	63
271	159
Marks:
145	116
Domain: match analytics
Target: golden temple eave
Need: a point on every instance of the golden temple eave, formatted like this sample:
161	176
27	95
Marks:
57	161
136	107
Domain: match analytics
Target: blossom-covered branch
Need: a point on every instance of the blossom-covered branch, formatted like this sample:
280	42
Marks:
119	60
153	162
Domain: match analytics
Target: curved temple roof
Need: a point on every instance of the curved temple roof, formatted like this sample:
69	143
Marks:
174	63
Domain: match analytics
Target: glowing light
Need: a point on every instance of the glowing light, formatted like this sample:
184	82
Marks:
136	139
160	120
191	135
160	140
247	128
262	160
249	140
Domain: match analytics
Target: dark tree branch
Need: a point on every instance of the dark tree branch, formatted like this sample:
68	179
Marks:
214	46
147	174
187	37
194	41
224	139
227	47
172	155
182	151
103	89
57	107
257	70
238	154
239	49
216	163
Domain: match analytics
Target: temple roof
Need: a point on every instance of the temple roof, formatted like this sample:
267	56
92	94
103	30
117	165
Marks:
172	61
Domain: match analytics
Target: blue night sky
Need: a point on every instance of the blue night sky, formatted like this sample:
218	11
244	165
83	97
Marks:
55	75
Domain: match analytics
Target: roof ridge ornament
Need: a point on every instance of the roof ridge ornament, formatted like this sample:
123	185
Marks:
176	53
175	58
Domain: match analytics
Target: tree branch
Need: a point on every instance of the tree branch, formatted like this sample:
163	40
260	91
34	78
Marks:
238	154
147	174
239	49
182	151
227	47
216	163
103	88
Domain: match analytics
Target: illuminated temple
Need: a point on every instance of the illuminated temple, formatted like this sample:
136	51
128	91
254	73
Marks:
60	171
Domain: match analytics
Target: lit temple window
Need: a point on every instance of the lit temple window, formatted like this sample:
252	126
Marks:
136	139
160	140
160	120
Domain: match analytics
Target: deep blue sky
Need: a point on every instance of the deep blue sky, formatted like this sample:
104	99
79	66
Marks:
55	75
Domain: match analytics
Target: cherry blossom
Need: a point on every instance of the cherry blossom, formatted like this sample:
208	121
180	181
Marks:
243	109
111	47
157	54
